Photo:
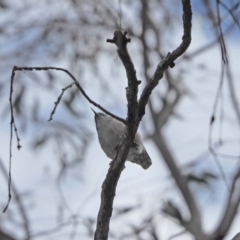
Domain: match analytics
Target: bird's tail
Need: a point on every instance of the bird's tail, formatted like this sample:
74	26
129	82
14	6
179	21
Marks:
144	160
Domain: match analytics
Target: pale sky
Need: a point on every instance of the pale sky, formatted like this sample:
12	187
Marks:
187	137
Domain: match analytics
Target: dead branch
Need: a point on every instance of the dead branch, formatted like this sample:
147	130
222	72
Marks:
19	203
59	99
230	210
117	165
168	61
13	124
16	68
136	111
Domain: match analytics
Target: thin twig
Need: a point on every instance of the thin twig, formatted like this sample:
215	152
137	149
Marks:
53	230
120	14
220	167
13	124
234	7
177	235
221	39
159	119
209	45
20	205
230	210
59	99
16	68
211	149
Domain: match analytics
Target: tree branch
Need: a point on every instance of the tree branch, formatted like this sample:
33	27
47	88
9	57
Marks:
231	209
19	203
109	188
13	124
135	113
117	165
59	99
121	41
194	224
168	61
15	68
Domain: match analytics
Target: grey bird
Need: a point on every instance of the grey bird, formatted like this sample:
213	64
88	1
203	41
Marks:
110	131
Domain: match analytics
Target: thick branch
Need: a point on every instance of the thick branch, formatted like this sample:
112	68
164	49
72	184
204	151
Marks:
135	115
117	165
194	224
109	188
121	41
159	120
168	61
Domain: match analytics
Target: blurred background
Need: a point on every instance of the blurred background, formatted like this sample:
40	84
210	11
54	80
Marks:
58	173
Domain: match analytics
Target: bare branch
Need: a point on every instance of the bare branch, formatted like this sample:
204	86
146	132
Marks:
236	237
212	121
194	224
117	165
135	115
53	230
13	124
121	41
168	61
221	40
159	120
231	209
230	10
5	236
109	187
59	99
233	94
177	235
209	45
76	83
19	203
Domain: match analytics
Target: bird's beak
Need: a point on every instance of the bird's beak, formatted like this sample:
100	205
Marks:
94	112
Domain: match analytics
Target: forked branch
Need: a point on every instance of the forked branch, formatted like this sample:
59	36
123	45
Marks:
13	125
136	110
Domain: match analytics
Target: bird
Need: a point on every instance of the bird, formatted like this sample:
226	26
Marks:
110	131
